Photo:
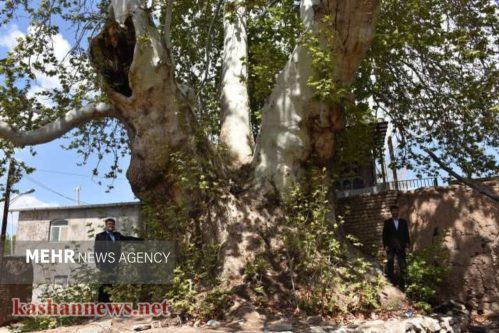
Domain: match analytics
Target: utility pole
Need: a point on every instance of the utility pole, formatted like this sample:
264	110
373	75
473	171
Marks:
392	163
11	234
77	189
31	190
382	165
8	186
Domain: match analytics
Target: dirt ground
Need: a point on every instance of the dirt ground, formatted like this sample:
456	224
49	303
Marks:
253	323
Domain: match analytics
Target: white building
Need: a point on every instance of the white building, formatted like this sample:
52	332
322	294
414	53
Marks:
71	223
75	223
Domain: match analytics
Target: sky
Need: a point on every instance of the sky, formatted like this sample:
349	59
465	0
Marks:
56	177
57	173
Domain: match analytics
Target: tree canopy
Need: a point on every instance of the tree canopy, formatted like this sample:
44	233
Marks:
432	71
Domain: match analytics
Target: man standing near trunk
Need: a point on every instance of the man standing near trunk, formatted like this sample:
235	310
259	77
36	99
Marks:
395	242
107	245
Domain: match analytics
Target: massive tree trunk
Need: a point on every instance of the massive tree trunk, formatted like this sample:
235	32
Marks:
167	146
141	85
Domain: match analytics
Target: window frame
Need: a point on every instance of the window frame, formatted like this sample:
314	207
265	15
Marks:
59	224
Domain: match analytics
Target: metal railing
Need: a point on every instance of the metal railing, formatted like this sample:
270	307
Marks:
410	184
401	185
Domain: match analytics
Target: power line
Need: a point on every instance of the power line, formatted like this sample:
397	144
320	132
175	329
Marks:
71	174
78	174
51	190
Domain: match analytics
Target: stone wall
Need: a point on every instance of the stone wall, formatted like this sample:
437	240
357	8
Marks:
472	222
363	217
14	266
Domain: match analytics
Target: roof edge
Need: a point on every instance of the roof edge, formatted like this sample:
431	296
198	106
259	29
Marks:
88	206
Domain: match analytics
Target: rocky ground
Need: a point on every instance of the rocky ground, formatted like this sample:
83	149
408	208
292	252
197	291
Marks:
455	322
452	317
420	324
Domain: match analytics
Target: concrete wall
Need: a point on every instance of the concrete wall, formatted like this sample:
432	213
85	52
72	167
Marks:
83	223
473	239
14	267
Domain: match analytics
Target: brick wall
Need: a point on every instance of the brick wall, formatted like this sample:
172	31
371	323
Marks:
470	219
14	266
363	217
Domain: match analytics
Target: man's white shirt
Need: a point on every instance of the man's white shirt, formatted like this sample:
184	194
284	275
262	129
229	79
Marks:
111	235
396	222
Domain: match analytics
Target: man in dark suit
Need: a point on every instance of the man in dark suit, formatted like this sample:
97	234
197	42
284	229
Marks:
395	242
107	249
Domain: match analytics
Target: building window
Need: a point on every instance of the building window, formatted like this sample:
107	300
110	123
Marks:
61	280
58	231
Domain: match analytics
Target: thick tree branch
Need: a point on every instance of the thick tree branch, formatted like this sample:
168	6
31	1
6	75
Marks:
56	128
235	133
354	29
168	23
283	143
295	123
209	42
468	182
132	57
445	166
271	4
167	33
